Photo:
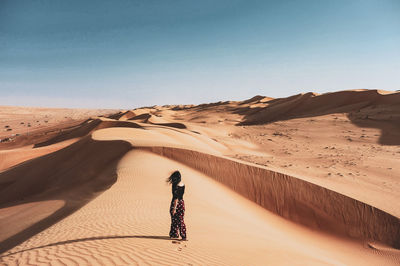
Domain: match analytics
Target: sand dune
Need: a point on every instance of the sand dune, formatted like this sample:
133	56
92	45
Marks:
126	225
156	120
379	108
311	104
258	189
127	115
86	128
9	158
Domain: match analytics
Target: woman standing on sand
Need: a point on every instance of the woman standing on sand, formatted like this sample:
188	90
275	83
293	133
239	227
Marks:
177	208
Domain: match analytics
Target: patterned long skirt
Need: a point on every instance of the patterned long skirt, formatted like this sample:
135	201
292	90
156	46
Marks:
177	221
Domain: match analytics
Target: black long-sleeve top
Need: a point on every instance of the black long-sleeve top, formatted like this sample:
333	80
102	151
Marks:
177	192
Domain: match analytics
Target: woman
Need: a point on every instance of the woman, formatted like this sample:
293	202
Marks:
177	208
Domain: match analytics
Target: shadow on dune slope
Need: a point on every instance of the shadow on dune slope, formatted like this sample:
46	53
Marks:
365	108
74	175
174	125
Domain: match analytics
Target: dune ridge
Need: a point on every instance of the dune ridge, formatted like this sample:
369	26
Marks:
293	198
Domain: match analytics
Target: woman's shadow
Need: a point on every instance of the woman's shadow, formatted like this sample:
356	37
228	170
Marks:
92	239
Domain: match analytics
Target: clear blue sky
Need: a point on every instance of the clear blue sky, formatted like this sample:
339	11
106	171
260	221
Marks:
124	54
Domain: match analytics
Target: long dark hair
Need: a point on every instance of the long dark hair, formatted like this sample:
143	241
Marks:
174	178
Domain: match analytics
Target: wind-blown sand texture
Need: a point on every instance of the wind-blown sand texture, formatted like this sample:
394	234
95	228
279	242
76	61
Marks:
308	179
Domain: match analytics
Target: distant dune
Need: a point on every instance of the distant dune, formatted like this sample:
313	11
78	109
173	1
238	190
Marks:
307	179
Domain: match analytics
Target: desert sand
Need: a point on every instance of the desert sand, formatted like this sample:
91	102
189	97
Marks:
304	180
